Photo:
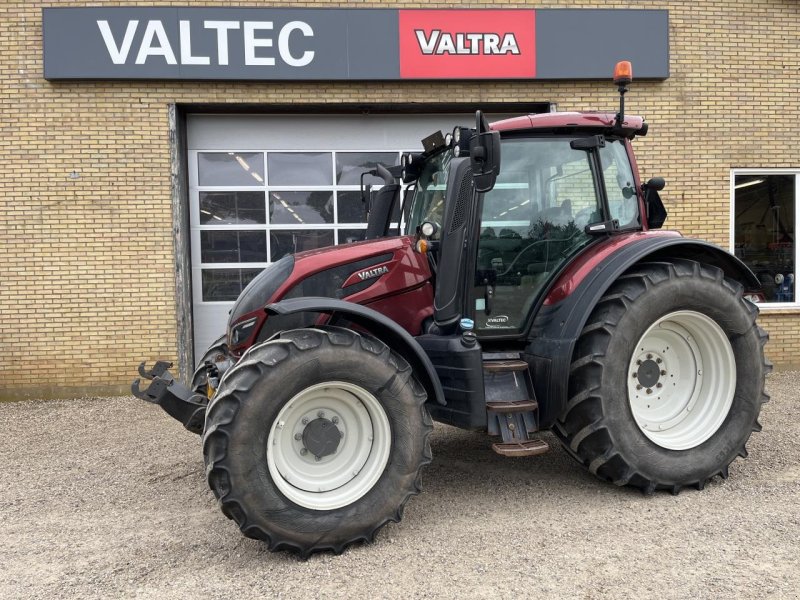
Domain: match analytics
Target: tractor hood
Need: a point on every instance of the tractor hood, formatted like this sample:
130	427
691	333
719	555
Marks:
360	272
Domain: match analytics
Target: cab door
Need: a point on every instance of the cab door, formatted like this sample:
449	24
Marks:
533	223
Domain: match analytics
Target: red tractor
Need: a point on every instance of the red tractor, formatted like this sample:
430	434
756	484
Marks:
542	294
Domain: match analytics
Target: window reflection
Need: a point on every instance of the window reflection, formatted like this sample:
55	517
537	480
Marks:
351	208
230	168
233	246
301	208
764	231
285	242
232	208
350	166
347	236
225	285
300	168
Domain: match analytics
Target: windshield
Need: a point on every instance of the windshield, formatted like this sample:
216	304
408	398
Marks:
428	202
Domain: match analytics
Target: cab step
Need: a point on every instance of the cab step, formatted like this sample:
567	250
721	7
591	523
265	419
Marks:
502	366
526	448
511	407
516	406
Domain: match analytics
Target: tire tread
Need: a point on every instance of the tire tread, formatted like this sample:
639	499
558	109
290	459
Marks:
578	425
223	409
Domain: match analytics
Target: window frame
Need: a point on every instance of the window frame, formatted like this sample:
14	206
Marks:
795	172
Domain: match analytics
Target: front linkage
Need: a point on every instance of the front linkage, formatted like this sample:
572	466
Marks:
176	399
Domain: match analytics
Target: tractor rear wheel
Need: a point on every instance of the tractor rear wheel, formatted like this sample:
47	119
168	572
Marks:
315	439
667	378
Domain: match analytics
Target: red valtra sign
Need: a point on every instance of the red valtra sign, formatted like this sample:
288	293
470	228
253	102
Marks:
467	44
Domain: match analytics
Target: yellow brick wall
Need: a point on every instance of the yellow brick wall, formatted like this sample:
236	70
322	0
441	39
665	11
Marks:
87	283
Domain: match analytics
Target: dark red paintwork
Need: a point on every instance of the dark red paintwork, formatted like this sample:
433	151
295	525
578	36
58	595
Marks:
404	293
584	263
575	120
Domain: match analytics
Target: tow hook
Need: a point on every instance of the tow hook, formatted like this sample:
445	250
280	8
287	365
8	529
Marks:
177	400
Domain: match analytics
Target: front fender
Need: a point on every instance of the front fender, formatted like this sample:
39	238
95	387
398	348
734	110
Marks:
383	328
558	324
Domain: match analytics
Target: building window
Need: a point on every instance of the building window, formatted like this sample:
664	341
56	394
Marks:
764	225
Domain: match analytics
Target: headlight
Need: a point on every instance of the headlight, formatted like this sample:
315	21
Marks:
242	331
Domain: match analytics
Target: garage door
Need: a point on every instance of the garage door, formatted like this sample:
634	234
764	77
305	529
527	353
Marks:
264	186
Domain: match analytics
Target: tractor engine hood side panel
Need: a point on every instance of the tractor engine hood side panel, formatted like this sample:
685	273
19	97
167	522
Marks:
361	273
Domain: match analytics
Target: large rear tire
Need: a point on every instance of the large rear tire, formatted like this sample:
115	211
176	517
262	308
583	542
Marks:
315	440
667	378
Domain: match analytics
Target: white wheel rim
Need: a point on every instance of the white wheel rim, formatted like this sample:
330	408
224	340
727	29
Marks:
681	380
345	475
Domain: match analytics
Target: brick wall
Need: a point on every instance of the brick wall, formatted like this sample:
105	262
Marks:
87	286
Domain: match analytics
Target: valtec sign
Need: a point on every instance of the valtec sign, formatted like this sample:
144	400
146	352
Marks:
350	44
154	42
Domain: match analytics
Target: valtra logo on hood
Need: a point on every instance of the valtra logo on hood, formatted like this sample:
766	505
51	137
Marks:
467	44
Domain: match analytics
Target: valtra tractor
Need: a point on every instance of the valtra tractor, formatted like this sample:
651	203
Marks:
537	292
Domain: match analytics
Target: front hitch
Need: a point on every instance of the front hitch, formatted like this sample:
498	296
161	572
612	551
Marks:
176	399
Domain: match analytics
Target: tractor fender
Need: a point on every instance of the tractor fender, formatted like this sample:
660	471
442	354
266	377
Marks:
383	328
557	326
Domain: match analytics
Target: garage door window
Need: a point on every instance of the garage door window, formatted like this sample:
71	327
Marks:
252	208
764	226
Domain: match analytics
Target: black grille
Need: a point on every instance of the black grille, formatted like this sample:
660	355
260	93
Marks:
464	194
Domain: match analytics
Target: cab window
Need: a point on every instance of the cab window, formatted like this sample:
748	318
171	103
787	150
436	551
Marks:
532	222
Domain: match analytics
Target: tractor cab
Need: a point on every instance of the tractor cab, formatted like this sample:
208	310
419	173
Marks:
565	182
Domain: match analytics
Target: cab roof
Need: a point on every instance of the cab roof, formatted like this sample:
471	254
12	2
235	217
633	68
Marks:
632	125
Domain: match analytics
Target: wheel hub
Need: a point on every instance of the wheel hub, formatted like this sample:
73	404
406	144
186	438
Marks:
648	373
321	437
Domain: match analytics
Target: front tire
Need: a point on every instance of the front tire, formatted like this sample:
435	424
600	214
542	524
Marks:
315	440
667	378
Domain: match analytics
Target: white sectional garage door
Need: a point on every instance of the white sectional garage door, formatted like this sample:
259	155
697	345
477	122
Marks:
264	186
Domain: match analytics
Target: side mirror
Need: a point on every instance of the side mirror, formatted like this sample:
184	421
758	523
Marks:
484	155
656	213
655	183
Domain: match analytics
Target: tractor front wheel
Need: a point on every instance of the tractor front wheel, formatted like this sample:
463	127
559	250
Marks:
667	378
315	439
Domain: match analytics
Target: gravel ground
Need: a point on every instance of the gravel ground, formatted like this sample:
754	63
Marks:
106	498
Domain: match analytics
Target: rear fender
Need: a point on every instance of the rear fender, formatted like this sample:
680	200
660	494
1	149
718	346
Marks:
383	328
558	324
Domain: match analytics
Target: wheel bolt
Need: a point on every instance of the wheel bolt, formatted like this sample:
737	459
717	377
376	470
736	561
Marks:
317	458
633	375
341	434
335	420
638	387
658	385
320	414
298	436
663	372
304	421
649	391
658	360
303	451
649	356
638	362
